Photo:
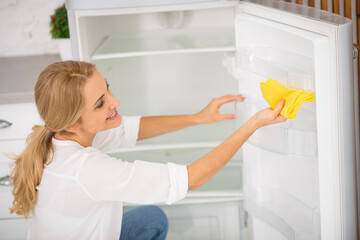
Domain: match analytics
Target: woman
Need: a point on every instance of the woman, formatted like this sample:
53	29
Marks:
73	190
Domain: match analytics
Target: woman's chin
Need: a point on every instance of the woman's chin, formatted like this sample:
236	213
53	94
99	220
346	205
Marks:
114	123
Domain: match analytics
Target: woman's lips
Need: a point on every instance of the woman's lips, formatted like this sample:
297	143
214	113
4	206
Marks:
113	116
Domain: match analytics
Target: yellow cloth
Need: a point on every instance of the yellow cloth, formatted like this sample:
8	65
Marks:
273	92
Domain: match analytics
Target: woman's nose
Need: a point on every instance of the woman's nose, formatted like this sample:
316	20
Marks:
114	103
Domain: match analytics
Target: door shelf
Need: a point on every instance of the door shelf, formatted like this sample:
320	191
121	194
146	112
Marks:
291	217
290	69
166	42
252	65
283	191
297	137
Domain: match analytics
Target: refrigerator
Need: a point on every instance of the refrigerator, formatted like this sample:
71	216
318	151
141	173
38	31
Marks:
292	180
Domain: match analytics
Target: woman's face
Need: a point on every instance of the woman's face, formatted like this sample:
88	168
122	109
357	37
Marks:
100	107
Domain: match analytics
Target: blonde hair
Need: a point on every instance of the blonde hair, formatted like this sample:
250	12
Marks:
59	100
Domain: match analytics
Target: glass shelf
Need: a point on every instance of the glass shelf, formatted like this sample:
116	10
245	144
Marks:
226	183
166	42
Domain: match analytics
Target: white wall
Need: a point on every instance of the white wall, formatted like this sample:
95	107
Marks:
24	27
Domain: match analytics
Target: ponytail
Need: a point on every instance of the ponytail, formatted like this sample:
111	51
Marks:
28	169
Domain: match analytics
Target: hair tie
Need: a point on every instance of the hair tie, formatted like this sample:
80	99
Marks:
47	128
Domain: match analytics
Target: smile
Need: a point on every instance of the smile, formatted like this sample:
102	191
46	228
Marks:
113	116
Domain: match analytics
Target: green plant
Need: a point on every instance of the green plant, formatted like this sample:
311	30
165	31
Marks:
59	27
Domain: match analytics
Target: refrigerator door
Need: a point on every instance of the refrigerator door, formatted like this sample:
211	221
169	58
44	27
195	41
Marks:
299	175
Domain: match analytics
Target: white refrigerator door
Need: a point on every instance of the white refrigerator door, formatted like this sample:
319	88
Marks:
298	175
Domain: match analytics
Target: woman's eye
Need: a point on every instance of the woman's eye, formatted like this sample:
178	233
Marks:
107	85
100	104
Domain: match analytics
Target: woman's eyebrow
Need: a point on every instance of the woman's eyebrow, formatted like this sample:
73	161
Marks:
99	99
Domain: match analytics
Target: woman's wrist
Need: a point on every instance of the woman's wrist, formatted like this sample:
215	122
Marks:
196	119
254	124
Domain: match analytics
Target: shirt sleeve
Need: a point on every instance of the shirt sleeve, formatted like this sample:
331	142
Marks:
125	135
105	178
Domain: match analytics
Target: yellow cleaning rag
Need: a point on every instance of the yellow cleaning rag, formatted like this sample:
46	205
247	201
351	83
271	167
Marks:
273	92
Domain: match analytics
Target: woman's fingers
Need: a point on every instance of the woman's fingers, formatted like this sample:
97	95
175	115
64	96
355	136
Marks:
211	114
279	106
277	110
282	118
228	116
228	98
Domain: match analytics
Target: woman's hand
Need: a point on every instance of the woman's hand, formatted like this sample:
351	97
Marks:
210	114
153	126
269	116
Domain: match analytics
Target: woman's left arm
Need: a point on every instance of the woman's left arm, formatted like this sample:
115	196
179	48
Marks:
158	125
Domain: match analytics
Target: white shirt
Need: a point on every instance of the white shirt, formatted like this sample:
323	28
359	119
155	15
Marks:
82	190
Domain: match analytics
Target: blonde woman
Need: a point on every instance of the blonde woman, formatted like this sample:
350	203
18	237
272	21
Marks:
71	189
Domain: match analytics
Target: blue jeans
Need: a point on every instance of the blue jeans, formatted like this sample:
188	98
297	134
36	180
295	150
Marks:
144	223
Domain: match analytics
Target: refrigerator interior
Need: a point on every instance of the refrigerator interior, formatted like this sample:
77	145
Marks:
172	62
167	63
182	84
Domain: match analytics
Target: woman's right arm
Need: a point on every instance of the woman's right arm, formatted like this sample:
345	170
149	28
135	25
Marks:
203	169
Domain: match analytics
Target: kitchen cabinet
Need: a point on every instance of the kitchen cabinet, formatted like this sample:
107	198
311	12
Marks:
21	116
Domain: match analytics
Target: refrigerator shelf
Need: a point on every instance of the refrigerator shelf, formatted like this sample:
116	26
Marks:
252	65
268	60
203	196
225	183
166	42
177	153
151	147
297	137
